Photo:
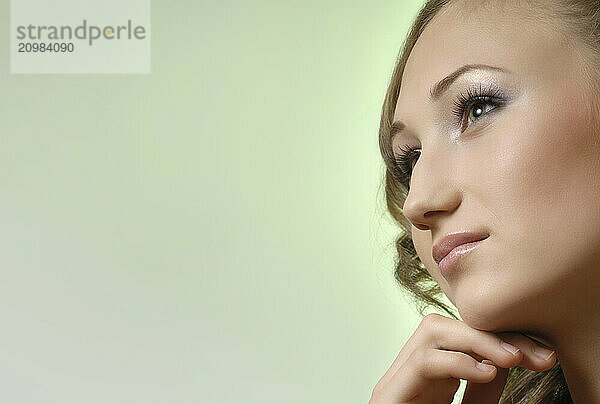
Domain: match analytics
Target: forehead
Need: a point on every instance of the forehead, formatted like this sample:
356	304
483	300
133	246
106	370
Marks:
485	35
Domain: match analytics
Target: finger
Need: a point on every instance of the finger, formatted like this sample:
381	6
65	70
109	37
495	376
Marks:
486	393
441	332
426	365
535	356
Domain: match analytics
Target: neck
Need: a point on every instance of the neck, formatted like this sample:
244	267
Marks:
571	325
578	351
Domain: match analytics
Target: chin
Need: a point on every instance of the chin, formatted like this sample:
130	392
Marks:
486	306
481	319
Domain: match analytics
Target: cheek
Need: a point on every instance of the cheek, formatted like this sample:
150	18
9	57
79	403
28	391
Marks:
538	191
541	190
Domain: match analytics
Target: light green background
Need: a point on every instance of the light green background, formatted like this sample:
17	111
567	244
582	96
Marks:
213	232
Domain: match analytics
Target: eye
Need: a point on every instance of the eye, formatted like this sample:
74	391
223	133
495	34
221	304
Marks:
405	163
470	107
480	110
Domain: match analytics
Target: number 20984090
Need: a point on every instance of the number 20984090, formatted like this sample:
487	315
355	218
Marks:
46	47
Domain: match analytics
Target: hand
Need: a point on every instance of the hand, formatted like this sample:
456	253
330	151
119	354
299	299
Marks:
443	350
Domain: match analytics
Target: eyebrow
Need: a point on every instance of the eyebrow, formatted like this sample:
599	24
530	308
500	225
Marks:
438	89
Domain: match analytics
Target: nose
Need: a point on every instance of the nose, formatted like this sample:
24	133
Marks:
433	192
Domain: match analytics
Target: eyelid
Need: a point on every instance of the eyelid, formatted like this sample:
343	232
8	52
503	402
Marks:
490	94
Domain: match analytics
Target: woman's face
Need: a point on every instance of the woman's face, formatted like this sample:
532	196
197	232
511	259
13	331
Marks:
526	171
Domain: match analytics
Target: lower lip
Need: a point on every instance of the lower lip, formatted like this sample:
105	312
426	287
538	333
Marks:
450	261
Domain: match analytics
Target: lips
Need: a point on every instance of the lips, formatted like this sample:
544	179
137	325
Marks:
450	241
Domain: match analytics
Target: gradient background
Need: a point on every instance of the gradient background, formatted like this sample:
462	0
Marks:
214	232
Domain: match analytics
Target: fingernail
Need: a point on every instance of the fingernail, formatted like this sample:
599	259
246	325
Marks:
485	368
543	353
510	348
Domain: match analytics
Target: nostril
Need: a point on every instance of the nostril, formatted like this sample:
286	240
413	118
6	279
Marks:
421	226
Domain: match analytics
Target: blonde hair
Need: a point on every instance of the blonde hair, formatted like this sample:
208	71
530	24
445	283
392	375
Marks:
577	21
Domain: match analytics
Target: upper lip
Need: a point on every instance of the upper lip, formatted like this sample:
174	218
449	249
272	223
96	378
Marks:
447	243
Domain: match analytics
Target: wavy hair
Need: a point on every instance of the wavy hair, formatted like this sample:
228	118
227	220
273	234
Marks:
578	21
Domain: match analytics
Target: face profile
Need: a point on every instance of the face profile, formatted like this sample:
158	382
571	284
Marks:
505	148
490	132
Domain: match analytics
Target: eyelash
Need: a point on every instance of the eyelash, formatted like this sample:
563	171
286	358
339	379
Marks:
474	96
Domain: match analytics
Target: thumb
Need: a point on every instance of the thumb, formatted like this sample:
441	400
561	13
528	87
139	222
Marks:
486	393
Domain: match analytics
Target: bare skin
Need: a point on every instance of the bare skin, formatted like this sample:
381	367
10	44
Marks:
442	351
526	172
